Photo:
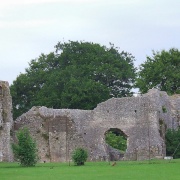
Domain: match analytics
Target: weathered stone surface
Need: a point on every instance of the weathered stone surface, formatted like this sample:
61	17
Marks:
114	154
58	132
143	120
6	122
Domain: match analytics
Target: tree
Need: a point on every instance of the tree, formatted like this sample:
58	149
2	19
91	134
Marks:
77	75
173	143
25	150
79	156
161	71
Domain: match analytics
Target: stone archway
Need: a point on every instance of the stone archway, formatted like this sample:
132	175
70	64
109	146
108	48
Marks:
116	141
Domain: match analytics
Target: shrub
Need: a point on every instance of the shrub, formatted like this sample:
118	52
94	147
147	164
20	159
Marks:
173	143
164	109
79	156
25	150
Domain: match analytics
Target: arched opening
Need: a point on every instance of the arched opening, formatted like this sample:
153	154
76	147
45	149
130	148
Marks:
116	141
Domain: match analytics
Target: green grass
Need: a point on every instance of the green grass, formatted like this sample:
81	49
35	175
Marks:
143	170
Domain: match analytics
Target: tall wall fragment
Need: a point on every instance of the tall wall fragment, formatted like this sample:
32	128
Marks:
6	122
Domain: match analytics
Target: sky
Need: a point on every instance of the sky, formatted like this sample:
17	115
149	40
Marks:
31	27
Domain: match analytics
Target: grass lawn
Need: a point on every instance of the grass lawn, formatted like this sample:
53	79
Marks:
143	170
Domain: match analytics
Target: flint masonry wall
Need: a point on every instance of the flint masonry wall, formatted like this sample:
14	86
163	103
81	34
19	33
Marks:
138	120
57	132
143	120
6	122
175	111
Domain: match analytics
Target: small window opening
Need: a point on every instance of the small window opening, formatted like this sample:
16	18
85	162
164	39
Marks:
1	91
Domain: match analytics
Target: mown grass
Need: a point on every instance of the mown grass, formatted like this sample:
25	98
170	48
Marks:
143	170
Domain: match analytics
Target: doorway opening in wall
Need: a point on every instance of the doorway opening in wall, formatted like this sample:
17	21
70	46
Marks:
116	141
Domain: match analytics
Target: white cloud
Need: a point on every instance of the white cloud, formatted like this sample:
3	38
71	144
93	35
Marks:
17	2
25	24
31	27
10	3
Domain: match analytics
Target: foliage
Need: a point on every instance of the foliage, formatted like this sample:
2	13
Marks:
160	71
164	109
116	141
173	143
78	75
79	156
25	150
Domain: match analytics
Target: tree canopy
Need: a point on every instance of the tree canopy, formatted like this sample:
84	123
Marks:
161	71
77	75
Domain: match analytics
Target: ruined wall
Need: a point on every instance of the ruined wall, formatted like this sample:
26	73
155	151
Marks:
137	118
57	132
143	120
5	122
175	110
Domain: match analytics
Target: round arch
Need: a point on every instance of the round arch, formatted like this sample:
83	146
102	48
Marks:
116	141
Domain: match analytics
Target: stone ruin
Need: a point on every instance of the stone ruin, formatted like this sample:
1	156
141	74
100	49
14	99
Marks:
6	122
143	120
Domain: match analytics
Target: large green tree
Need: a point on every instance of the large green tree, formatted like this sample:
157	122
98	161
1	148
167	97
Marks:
77	75
161	71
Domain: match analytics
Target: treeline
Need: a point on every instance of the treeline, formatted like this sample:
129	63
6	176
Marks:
79	75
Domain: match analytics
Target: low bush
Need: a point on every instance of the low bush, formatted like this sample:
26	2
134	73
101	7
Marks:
79	156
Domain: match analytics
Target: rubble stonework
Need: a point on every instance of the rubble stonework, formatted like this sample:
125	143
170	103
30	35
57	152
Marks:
142	119
6	122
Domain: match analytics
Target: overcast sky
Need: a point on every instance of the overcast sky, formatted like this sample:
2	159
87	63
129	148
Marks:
31	27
